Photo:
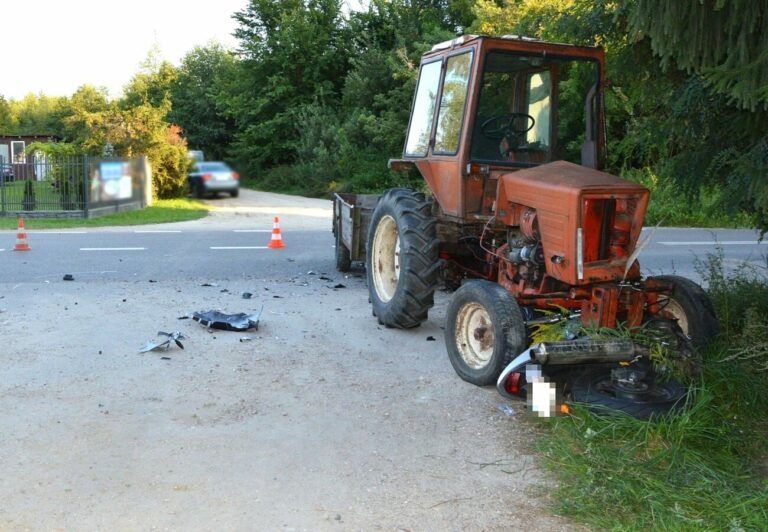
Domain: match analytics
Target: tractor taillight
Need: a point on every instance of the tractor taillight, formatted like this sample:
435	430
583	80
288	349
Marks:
513	383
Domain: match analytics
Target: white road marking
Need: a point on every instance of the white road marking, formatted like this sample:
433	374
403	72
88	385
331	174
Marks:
252	230
57	232
157	231
112	249
239	247
717	243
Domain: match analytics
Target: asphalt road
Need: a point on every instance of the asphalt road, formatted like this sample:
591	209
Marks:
194	252
320	420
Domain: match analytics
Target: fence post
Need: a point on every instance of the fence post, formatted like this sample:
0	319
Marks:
2	186
86	185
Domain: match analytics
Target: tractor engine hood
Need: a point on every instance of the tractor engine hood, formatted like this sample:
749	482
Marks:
587	221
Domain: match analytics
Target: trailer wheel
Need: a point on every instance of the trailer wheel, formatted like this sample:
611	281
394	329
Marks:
604	392
343	258
690	308
402	260
484	331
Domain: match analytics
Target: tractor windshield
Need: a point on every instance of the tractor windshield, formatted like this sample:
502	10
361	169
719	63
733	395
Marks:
532	110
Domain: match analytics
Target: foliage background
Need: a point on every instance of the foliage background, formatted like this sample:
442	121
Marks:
317	97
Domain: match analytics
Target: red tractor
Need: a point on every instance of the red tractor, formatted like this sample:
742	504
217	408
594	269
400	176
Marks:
509	136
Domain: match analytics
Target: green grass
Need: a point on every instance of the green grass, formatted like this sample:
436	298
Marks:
46	196
704	468
671	207
163	211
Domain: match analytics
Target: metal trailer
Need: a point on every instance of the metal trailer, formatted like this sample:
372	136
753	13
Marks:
351	218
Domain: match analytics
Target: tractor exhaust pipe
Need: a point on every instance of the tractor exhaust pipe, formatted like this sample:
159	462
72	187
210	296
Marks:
586	351
581	351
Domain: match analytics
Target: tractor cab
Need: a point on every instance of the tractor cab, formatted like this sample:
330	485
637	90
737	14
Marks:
486	106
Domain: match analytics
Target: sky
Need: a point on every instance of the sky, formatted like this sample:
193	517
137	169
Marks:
55	46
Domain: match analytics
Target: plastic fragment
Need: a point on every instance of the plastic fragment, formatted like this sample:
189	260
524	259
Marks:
214	319
506	410
175	336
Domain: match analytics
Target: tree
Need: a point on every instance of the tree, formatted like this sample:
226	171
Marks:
6	117
142	130
722	41
294	52
204	78
152	84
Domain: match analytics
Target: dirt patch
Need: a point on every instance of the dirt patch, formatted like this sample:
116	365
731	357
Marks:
323	420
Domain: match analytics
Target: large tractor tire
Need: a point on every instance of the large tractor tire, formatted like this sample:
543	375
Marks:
484	331
691	309
402	259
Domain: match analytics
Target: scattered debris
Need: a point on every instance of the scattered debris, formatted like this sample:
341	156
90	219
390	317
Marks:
506	410
247	295
291	260
183	317
337	309
69	277
213	319
277	297
310	272
224	291
209	284
152	281
175	336
246	338
325	278
339	286
165	358
431	339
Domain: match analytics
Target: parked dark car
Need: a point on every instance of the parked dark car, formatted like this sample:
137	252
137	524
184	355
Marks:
211	177
6	174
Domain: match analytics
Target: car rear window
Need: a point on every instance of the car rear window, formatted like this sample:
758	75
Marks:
213	167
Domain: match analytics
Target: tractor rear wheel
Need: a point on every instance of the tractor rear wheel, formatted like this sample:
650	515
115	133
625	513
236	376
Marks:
484	331
690	308
402	258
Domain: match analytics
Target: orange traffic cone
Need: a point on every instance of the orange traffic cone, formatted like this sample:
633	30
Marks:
277	238
21	238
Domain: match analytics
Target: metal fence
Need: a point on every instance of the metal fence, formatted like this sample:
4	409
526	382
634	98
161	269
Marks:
70	186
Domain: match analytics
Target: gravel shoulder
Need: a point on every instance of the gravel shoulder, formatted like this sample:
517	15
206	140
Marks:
321	421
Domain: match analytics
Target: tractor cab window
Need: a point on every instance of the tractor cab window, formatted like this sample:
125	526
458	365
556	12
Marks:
452	102
538	104
417	143
531	109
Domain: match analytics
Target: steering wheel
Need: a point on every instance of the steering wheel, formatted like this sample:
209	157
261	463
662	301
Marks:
507	126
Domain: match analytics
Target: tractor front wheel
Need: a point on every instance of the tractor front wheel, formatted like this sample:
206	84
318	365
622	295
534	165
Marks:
484	331
402	259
